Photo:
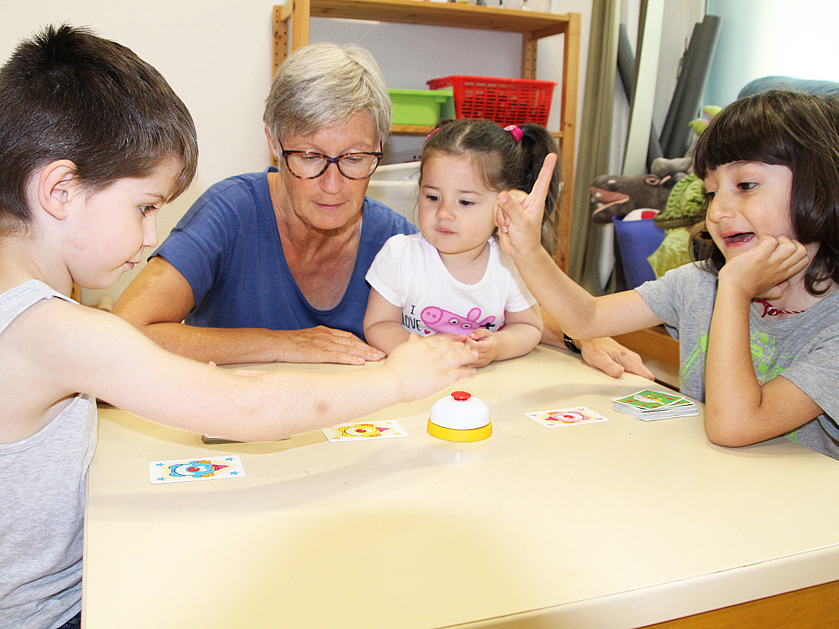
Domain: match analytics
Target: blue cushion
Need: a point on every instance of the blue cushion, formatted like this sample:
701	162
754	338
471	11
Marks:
811	86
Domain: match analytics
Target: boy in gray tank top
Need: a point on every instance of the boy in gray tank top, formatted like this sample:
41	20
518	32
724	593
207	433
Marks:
78	205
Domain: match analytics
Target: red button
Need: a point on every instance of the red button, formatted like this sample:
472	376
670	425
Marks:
461	396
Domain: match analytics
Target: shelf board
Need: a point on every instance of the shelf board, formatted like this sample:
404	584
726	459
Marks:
457	15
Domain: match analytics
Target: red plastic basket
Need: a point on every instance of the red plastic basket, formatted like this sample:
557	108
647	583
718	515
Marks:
505	101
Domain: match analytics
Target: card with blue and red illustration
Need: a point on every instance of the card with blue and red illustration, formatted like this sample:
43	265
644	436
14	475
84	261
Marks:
198	468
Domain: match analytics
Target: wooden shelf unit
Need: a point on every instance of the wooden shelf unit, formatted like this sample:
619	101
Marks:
532	25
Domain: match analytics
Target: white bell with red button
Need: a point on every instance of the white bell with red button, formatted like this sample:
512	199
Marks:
460	417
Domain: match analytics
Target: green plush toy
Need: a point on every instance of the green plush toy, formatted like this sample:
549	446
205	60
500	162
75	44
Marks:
700	124
685	208
686	204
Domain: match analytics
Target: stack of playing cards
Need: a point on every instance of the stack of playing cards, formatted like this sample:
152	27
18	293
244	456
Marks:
649	405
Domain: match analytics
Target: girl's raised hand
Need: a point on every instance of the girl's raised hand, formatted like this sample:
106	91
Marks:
519	215
764	270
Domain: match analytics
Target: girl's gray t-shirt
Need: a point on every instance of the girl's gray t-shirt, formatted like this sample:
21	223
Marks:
804	348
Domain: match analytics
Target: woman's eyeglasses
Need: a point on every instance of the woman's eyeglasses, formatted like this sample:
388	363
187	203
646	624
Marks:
310	165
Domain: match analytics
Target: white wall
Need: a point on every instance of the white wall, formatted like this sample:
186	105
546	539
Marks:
216	55
772	37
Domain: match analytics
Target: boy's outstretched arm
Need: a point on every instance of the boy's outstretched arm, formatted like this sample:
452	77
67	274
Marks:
81	349
739	411
578	313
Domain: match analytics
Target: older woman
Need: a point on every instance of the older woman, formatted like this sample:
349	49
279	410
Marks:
270	266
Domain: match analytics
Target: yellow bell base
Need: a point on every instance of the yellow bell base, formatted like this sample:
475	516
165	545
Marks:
450	434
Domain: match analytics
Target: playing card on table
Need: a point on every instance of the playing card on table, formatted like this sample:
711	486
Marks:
198	468
567	417
365	431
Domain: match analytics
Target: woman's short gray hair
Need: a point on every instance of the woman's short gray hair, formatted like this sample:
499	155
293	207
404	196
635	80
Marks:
324	85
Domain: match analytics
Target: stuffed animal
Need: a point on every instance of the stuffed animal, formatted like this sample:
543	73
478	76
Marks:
671	187
685	207
618	195
680	167
700	124
676	167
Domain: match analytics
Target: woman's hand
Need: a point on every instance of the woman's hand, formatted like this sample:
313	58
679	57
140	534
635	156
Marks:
605	353
325	345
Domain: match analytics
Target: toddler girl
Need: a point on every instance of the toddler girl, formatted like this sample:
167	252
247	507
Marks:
758	319
452	278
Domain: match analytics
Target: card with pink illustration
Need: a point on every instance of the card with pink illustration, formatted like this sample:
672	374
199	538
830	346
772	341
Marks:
573	416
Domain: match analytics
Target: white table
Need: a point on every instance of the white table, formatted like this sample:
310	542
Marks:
616	524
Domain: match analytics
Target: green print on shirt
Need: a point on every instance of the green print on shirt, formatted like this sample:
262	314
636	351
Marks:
693	360
766	365
764	358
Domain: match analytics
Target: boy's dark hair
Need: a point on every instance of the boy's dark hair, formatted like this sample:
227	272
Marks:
68	94
792	129
505	161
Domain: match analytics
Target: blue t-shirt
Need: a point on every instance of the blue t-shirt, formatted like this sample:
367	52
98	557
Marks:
228	248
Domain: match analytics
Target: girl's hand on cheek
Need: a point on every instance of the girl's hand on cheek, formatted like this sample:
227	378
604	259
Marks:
764	270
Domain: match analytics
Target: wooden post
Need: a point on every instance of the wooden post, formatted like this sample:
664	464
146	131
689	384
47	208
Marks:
568	143
282	13
299	23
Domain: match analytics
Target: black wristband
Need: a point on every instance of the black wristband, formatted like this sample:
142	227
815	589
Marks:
570	345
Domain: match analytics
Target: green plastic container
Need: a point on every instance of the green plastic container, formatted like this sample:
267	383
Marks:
418	107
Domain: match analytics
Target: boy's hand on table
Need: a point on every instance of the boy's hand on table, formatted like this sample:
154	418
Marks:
423	366
243	372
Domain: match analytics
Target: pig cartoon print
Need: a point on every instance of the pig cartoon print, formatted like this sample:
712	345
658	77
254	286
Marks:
447	322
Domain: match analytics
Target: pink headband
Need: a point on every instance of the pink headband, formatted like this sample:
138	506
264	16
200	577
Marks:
515	131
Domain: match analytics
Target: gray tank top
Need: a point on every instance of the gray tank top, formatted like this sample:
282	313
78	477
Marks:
42	499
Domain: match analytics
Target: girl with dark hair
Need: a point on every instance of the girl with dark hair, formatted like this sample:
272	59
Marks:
757	319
